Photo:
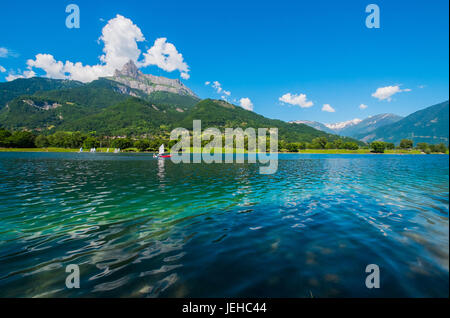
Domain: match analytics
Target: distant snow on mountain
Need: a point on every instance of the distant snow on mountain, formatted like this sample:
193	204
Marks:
314	124
371	123
355	127
343	124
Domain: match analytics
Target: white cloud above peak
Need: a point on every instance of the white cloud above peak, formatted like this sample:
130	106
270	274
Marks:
120	37
328	108
297	100
166	56
386	93
246	103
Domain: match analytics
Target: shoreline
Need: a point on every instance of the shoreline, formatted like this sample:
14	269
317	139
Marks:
307	151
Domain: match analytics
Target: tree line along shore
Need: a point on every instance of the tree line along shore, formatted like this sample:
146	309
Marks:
73	141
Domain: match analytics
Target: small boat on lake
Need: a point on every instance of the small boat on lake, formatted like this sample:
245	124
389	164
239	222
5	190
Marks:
161	153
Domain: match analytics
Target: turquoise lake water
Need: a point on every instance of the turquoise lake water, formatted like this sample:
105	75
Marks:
143	227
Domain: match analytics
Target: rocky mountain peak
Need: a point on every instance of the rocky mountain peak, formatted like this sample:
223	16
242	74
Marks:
129	69
134	79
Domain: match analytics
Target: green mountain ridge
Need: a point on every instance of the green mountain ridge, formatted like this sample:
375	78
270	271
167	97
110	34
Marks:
106	108
132	116
429	125
29	86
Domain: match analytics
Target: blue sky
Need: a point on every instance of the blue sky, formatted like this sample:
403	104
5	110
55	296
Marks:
261	50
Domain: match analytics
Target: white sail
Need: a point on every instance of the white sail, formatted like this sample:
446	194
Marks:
161	149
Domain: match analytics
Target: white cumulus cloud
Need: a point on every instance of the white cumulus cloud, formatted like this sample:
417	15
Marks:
2	69
166	56
120	37
246	103
363	106
46	62
386	93
328	108
298	100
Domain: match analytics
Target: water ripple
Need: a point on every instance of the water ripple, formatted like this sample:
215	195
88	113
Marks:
139	227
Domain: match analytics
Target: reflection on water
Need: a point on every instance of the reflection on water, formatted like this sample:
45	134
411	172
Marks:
144	227
161	168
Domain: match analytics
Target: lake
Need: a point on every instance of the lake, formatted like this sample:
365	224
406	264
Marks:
143	227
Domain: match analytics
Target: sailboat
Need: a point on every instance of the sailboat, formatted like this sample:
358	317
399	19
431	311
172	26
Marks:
161	153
